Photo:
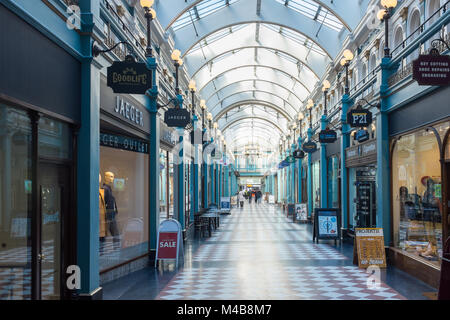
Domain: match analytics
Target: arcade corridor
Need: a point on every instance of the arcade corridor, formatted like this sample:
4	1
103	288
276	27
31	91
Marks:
259	254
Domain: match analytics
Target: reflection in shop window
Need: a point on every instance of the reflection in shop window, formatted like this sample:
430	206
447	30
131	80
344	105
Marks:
417	195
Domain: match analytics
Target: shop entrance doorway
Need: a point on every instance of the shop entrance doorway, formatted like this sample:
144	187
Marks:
52	231
366	210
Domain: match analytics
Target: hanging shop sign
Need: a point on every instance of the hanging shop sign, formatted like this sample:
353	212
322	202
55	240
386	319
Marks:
326	224
301	211
369	248
309	147
327	136
290	159
432	70
169	242
299	154
283	164
129	76
124	143
359	118
362	135
177	118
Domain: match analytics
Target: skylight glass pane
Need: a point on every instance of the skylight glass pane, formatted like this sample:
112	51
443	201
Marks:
218	36
313	10
200	11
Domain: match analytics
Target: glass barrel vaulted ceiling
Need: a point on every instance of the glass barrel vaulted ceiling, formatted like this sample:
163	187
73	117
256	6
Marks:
255	62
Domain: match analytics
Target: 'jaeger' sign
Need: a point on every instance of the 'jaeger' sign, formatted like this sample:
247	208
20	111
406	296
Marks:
129	77
177	118
432	70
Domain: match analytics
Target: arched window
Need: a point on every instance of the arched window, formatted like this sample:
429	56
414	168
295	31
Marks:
372	62
413	32
364	73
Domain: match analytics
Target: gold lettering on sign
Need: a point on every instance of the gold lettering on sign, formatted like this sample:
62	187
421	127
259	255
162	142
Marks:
130	79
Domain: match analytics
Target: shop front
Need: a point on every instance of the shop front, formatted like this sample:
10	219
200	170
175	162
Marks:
166	192
361	163
38	122
124	184
420	183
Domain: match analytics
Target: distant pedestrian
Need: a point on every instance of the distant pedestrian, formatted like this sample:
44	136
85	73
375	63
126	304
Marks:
258	196
241	198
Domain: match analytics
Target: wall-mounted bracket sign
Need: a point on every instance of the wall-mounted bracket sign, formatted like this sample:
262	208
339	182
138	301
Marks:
299	154
362	135
359	118
327	136
432	70
129	77
309	147
177	118
290	159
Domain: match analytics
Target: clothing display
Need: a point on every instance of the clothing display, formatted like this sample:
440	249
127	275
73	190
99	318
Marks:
102	213
111	212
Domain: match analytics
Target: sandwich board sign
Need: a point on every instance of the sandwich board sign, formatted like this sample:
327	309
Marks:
326	224
225	205
271	199
169	242
302	212
369	247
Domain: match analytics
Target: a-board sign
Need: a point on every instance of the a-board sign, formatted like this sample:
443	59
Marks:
326	224
309	147
169	242
362	135
271	199
177	118
299	154
370	247
301	211
129	76
225	204
290	209
432	70
327	136
359	118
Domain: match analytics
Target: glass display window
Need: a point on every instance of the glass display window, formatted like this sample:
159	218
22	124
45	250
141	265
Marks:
316	184
417	195
333	187
123	200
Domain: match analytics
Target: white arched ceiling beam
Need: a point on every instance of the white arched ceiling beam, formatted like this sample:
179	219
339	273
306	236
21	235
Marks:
267	104
260	126
243	12
277	86
170	10
276	90
257	95
224	78
253	111
238	144
254	72
268	38
248	58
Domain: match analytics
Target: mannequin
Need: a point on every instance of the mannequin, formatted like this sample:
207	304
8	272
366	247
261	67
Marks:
102	210
111	209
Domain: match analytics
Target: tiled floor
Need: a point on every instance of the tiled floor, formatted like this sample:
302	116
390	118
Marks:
258	254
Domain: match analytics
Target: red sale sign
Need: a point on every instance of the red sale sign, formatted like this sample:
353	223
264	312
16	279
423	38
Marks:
167	245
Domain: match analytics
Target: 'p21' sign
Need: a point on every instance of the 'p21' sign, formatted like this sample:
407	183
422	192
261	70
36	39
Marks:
359	118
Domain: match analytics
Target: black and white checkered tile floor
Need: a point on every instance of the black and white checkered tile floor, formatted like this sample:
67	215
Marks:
259	254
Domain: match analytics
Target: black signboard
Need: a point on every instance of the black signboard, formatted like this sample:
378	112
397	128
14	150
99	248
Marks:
124	143
327	224
309	147
365	204
362	135
290	210
327	136
432	70
299	154
177	118
359	118
129	77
